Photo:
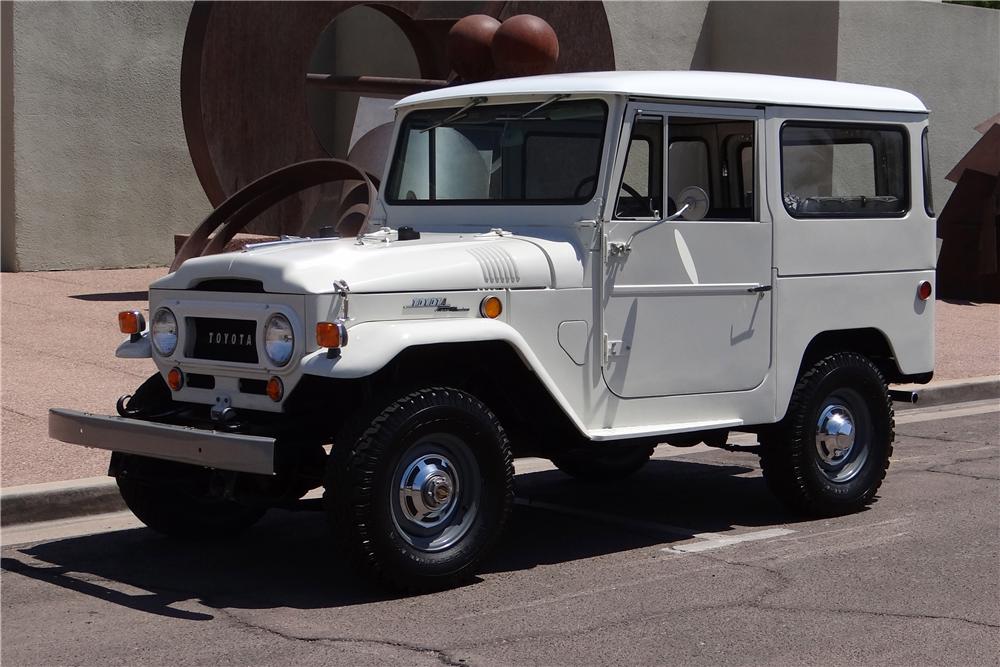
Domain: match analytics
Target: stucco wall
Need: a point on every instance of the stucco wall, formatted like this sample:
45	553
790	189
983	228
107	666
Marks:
101	171
655	35
947	55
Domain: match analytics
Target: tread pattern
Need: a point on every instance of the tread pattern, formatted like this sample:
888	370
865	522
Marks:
785	453
350	483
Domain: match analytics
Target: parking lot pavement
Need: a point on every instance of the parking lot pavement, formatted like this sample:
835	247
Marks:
690	561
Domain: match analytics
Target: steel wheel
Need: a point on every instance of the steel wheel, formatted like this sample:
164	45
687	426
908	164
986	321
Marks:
438	487
830	453
420	497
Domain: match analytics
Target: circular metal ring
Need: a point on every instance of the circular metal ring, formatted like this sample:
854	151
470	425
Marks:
436	492
842	440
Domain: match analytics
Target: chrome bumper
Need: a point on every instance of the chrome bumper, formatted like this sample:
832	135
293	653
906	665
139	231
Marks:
212	449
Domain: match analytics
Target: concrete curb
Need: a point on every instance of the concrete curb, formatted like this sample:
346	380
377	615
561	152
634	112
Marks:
98	495
953	391
59	500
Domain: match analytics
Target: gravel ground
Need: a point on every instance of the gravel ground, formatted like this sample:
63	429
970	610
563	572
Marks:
58	334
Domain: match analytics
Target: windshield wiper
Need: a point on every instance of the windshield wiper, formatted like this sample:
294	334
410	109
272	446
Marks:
526	114
476	101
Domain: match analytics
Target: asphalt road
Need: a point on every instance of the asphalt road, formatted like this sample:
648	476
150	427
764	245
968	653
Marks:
691	561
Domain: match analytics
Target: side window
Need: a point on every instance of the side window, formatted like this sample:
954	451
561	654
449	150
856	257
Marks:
711	160
845	171
640	194
928	189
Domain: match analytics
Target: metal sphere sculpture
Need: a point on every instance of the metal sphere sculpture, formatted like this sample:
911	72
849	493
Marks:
525	45
469	47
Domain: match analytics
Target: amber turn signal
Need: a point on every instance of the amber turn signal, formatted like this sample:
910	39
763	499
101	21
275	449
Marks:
275	389
924	290
491	307
331	334
175	378
131	322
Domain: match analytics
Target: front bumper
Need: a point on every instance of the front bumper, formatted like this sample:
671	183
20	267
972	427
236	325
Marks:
184	444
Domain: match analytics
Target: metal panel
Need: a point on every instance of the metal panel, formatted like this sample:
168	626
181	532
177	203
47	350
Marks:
212	449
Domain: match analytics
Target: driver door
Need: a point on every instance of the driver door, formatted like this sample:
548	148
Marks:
686	295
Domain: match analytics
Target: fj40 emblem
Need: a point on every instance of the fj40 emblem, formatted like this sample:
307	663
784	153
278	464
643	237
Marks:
435	302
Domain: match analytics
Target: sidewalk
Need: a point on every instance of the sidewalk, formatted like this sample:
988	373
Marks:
58	334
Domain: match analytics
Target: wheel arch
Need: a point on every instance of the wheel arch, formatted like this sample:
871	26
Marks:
489	359
870	342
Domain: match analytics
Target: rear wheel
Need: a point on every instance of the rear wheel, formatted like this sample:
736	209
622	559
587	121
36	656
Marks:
422	495
173	499
831	452
603	462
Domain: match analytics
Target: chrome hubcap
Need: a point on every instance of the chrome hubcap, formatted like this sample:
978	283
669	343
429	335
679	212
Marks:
843	433
427	490
835	434
435	492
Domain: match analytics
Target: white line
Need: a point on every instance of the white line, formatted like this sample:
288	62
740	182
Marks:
977	409
720	541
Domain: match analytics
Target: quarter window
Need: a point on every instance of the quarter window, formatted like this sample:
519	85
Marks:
843	171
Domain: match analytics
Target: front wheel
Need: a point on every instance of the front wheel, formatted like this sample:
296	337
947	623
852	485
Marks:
831	452
420	498
173	499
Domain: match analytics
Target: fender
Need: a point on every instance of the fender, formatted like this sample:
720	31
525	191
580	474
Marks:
374	344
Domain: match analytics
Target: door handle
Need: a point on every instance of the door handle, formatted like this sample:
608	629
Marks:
759	289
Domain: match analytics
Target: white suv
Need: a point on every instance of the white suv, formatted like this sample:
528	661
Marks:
575	266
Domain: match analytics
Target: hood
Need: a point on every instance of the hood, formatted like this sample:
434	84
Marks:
379	263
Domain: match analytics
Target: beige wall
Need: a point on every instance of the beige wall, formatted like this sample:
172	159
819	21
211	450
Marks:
947	55
95	168
101	172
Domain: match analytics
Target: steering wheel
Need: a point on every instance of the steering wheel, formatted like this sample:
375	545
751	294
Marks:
638	197
589	179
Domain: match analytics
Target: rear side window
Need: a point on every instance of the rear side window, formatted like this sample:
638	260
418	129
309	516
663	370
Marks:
843	171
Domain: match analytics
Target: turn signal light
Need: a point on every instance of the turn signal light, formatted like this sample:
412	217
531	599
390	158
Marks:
491	307
131	322
924	290
175	378
275	389
331	334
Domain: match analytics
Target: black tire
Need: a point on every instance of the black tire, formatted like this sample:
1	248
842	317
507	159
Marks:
172	499
443	441
599	462
806	465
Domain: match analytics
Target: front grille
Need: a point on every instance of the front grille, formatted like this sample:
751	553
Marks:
230	285
224	340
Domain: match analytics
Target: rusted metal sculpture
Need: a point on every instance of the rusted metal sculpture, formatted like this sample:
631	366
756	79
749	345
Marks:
245	109
236	212
969	225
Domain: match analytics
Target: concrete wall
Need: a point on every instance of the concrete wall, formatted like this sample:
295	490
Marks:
101	171
655	35
947	55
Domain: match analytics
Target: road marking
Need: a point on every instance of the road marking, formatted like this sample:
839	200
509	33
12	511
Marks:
961	410
716	541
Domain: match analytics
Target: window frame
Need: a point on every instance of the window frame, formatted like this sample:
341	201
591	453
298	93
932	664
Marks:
637	117
925	167
899	128
402	136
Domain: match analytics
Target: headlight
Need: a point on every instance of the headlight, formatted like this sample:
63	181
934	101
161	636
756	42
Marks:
163	331
279	341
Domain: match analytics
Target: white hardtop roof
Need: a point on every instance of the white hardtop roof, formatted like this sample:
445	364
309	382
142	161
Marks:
685	85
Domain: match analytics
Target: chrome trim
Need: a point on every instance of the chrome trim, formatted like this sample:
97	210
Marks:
678	290
212	449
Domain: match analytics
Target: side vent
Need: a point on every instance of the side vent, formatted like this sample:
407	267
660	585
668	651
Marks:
499	267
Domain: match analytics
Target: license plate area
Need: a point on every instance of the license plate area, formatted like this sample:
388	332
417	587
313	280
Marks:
220	339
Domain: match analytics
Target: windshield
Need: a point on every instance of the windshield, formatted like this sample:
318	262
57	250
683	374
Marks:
529	152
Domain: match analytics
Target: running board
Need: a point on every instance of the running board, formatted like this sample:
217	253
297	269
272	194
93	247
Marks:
623	432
